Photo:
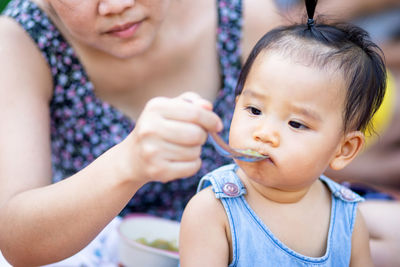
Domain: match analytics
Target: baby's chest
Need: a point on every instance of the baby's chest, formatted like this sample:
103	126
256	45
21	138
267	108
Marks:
304	232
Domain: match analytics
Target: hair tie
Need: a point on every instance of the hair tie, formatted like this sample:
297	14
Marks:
310	23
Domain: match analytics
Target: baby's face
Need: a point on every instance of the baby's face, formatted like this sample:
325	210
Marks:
292	113
119	27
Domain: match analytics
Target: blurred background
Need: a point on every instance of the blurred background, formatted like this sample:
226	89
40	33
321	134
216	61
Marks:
3	3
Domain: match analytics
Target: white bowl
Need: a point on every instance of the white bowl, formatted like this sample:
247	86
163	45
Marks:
135	254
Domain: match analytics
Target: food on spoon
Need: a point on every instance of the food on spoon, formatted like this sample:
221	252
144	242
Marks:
159	243
250	152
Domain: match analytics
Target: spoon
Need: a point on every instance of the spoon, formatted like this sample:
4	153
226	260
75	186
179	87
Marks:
241	154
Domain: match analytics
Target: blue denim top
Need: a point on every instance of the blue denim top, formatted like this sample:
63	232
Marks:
255	245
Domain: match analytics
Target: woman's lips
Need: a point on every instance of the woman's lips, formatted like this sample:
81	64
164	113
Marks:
124	31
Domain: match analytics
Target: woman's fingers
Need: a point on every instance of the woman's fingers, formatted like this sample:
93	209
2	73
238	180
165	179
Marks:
169	134
183	133
169	170
180	109
160	151
196	99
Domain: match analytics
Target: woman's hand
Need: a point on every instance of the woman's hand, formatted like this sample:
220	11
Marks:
166	142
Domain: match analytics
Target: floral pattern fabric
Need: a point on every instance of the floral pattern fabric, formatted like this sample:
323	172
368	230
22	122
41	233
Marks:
83	126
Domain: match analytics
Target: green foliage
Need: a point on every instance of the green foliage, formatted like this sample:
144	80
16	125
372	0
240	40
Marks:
3	4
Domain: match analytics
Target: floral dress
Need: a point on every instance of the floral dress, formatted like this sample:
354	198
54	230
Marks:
83	126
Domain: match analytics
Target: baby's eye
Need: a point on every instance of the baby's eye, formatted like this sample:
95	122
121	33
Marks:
297	125
254	111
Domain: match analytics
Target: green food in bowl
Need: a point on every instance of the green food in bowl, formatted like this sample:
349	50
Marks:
159	243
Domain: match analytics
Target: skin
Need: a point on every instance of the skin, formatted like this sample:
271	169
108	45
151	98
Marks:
297	121
60	219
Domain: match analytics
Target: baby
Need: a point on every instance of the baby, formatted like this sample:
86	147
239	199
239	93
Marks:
305	97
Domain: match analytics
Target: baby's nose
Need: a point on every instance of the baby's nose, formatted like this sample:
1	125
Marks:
268	133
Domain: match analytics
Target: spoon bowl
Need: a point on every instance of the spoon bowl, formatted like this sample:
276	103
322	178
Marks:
241	154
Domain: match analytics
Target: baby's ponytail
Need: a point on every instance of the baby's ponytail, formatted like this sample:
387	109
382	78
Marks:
310	7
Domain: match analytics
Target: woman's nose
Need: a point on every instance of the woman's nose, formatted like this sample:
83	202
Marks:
109	7
267	133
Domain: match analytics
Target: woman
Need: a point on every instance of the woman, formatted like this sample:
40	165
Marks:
89	93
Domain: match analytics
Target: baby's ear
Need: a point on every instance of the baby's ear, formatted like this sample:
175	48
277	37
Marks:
348	150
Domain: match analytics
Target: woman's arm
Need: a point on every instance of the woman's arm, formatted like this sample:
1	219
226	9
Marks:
204	232
42	222
360	250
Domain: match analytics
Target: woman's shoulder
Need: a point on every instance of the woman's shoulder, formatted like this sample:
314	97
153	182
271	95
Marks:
19	54
15	41
23	27
12	32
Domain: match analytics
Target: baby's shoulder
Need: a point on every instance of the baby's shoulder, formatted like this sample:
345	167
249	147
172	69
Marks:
206	206
204	199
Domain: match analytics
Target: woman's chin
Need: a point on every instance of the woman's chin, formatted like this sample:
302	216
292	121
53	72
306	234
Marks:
129	52
124	50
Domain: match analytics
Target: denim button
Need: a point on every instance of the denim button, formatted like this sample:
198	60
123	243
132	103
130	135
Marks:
347	194
231	189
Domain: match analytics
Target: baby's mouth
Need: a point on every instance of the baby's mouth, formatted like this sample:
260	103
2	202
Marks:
266	155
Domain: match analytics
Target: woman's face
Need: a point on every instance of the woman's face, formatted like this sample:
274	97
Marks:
122	28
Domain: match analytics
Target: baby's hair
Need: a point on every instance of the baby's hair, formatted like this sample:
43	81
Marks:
340	47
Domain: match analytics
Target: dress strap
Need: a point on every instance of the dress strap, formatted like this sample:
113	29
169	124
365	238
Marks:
340	191
224	181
